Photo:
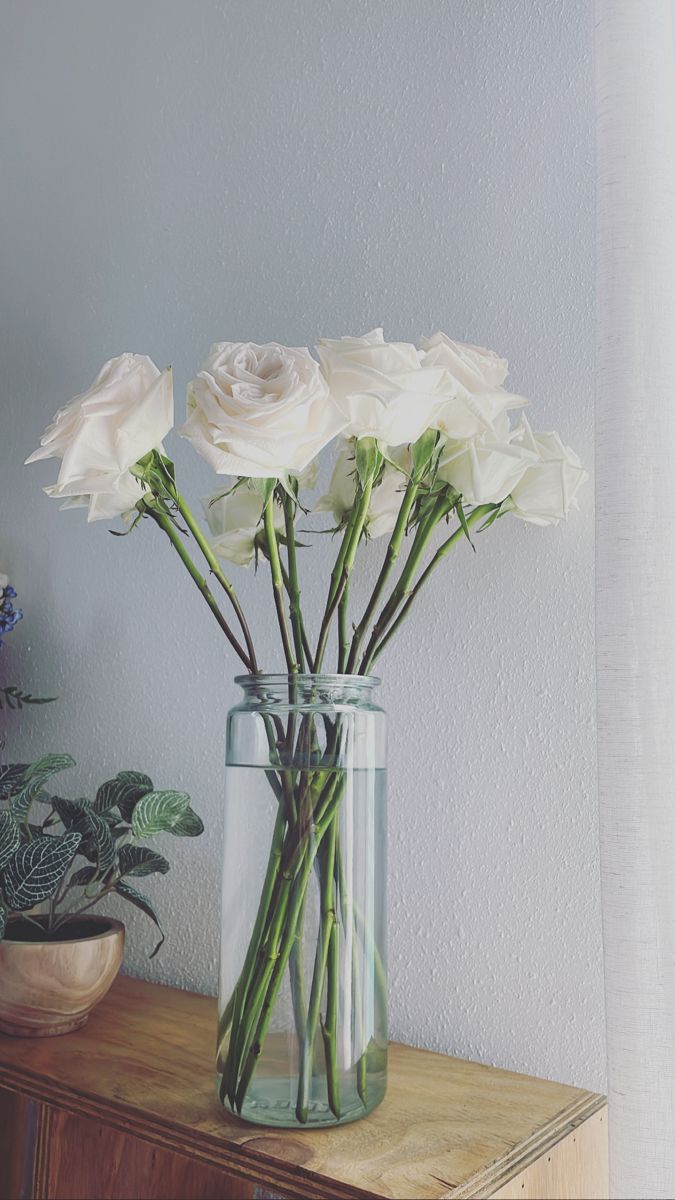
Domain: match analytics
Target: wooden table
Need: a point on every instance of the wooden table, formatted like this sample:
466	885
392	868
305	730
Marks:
126	1107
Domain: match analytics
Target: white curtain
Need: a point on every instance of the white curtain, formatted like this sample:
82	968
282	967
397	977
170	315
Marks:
635	475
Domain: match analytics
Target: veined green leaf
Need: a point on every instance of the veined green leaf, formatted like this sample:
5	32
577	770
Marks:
140	901
70	812
158	812
123	792
12	778
82	877
35	869
36	777
140	860
189	824
98	844
3	921
9	837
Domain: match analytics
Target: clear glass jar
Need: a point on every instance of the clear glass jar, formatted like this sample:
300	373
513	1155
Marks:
302	1035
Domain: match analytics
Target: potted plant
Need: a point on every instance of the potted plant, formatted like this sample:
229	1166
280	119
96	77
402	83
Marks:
59	859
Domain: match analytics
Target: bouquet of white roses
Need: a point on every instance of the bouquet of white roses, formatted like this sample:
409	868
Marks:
425	440
424	433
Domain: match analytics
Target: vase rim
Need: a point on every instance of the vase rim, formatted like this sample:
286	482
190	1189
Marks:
307	679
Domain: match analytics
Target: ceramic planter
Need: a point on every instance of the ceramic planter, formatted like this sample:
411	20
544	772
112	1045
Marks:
49	987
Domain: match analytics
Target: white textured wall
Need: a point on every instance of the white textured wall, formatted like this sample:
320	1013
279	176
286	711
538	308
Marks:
176	173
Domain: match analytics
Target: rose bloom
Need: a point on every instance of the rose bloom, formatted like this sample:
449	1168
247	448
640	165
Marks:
548	489
235	522
386	497
485	468
101	434
382	388
260	411
235	519
473	382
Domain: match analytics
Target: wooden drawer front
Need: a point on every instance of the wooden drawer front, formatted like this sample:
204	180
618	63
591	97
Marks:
69	1157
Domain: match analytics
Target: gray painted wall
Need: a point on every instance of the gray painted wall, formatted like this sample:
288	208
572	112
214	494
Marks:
176	173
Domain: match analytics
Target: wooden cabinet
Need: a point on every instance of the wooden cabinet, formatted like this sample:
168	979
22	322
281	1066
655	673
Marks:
126	1108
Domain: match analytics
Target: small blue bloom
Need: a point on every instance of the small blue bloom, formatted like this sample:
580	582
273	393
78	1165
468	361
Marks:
9	616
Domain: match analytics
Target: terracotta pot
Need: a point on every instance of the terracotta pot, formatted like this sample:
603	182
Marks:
50	987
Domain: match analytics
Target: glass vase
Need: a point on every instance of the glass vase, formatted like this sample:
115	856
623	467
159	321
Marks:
302	1039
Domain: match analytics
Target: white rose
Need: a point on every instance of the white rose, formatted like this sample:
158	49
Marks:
548	489
100	435
4	582
105	506
381	387
474	378
235	521
260	411
487	467
386	496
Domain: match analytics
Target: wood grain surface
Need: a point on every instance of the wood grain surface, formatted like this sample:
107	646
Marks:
143	1065
49	988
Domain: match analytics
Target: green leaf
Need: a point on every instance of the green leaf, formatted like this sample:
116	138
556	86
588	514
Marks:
138	778
140	860
368	460
98	844
158	812
13	698
123	792
140	901
36	777
500	510
264	488
11	778
3	921
463	523
83	877
70	812
422	451
188	825
9	837
35	870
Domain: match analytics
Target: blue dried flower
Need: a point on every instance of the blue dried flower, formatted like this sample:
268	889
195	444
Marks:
9	615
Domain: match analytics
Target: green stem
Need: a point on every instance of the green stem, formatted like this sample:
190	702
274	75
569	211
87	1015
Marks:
257	1042
329	1027
170	530
303	632
483	510
294	581
77	912
233	1011
278	585
393	551
216	569
328	920
296	972
401	589
343	567
343	629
